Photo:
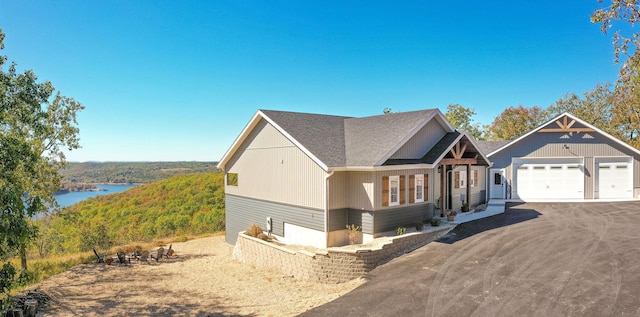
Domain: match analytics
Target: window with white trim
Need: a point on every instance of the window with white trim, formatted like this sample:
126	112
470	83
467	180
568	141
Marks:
463	179
394	190
419	188
474	178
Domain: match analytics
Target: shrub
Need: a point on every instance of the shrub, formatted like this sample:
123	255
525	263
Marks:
401	230
419	226
254	230
435	222
353	233
263	236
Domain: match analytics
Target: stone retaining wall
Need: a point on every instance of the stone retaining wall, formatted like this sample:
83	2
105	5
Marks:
332	265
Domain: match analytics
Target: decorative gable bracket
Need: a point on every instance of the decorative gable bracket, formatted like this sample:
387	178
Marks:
566	126
457	152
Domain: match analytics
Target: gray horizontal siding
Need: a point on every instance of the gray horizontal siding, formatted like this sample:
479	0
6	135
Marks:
338	219
241	212
361	218
373	222
387	220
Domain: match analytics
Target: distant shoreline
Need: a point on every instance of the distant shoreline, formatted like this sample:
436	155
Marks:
92	187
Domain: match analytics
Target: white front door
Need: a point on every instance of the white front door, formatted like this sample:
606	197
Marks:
497	186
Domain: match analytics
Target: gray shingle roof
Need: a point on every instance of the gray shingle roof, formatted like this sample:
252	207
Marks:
340	141
370	139
490	146
441	147
322	135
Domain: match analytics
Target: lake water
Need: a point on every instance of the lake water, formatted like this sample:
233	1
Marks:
69	199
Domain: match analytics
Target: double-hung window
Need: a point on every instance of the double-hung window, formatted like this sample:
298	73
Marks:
419	188
394	190
463	179
474	178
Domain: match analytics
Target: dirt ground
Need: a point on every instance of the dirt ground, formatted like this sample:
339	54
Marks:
536	259
201	280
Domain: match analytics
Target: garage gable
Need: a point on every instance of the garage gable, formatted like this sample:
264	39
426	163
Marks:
567	159
566	127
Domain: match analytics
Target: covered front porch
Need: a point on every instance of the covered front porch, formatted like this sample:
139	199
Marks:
456	155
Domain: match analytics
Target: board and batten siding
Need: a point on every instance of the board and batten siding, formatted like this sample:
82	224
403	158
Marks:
241	212
421	142
361	190
589	169
338	190
272	168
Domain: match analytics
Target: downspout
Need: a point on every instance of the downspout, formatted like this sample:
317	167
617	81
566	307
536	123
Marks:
326	207
488	182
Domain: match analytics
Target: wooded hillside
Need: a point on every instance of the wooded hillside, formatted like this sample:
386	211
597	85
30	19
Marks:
182	205
131	172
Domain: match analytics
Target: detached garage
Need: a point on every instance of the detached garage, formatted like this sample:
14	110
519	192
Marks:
565	159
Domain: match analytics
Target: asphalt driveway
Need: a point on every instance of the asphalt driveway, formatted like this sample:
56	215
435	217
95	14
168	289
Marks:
536	259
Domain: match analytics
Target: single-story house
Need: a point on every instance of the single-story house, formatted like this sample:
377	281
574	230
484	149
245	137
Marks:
304	177
565	158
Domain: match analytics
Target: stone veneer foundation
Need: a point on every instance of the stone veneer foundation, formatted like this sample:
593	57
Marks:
332	265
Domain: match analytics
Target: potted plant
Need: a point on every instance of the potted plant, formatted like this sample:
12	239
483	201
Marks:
451	215
465	206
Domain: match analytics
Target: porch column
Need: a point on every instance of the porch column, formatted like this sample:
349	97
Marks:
468	197
443	188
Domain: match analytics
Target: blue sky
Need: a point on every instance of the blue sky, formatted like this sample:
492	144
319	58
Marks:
179	80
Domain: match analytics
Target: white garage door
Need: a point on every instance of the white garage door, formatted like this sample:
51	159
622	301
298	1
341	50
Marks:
614	180
549	181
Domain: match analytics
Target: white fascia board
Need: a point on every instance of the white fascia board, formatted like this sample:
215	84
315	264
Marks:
381	168
444	122
297	144
611	137
435	114
525	135
572	117
239	139
444	153
473	142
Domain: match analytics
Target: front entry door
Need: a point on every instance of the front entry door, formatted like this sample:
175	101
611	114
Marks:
498	185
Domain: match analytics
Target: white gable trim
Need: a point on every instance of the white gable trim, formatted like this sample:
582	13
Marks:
239	140
435	114
294	141
609	136
454	142
475	145
247	130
